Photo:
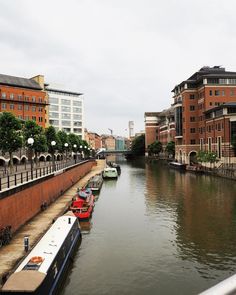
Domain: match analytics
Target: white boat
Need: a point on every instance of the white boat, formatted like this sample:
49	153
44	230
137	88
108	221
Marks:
110	173
43	268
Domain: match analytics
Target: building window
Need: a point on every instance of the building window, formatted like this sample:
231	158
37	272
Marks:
33	98
40	109
77	103
65	102
53	100
26	107
222	81
19	97
4	95
26	117
33	108
231	92
191	96
20	117
53	115
65	123
40	99
209	144
78	124
77	110
11	106
54	108
217	92
223	93
210	92
192	119
11	96
19	106
192	108
54	122
33	118
192	130
4	106
66	109
77	117
192	141
26	98
66	116
232	81
40	119
77	130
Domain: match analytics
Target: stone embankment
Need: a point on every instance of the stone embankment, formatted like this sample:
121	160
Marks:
11	254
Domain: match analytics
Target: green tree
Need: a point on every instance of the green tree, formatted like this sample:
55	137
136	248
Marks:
51	135
138	145
155	148
32	130
63	137
170	149
10	136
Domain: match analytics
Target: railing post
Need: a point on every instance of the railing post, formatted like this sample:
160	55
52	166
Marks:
0	183
21	177
8	181
36	173
27	176
15	180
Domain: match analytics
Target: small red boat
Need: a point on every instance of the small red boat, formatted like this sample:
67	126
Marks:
82	207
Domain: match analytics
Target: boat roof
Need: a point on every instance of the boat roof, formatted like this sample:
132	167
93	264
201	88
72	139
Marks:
110	169
51	242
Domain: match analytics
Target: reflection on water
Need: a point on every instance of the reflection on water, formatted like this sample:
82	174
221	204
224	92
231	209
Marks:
155	231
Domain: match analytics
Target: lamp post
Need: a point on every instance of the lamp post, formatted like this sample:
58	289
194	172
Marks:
75	146
30	142
81	150
66	146
53	143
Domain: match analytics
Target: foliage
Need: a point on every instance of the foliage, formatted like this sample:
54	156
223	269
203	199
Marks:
51	135
31	129
138	145
155	148
63	138
207	157
10	136
170	148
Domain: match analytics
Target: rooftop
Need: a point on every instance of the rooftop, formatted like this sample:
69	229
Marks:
19	82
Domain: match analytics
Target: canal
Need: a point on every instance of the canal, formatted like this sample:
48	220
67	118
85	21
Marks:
157	231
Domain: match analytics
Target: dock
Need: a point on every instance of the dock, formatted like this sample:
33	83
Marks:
13	253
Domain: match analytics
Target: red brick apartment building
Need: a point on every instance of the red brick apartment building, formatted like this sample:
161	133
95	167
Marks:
94	140
159	126
204	113
25	98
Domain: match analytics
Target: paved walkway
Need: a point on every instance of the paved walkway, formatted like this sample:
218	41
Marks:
11	254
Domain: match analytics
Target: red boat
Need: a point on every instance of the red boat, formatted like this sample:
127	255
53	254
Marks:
82	207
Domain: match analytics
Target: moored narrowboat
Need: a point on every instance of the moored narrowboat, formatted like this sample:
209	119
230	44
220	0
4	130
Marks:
178	166
82	208
42	270
109	173
95	183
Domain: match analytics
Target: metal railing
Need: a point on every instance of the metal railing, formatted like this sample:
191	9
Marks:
9	181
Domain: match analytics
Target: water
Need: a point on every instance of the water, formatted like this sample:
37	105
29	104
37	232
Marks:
157	231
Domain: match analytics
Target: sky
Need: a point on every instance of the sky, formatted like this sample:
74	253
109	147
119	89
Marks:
125	56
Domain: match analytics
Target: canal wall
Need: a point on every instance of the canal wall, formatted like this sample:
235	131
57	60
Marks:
18	205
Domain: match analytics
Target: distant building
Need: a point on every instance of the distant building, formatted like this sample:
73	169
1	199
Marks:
151	120
66	111
25	98
93	139
208	88
120	143
108	142
131	129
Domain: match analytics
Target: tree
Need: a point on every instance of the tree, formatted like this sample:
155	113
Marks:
51	135
10	136
138	145
170	149
155	148
32	130
63	137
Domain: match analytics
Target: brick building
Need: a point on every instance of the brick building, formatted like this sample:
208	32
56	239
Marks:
93	139
159	126
25	98
207	89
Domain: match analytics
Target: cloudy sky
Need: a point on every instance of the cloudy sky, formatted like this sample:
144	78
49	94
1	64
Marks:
124	55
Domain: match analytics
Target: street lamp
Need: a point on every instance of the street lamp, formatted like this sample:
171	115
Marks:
53	143
66	146
30	142
75	146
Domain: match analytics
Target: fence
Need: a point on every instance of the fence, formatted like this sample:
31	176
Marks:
9	181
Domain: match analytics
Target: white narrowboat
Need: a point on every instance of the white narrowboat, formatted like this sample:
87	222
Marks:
42	270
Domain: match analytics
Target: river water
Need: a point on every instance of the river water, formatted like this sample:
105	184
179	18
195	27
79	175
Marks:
157	231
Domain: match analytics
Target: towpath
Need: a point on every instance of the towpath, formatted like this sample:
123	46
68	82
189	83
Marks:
11	254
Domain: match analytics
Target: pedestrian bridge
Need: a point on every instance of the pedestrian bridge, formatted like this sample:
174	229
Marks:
108	152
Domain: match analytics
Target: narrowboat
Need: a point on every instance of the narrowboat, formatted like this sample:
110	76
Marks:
95	183
84	193
109	173
82	208
178	166
42	270
114	165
